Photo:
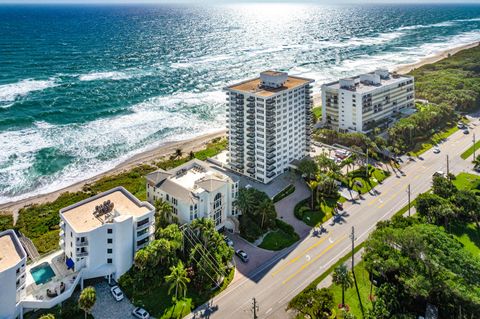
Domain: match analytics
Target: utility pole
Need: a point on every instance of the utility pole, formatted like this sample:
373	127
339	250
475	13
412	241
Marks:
408	192
255	308
352	237
366	165
473	146
448	167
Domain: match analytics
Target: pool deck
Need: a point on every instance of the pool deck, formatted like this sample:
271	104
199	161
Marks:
62	274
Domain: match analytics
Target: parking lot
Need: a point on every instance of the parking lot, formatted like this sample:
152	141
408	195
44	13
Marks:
107	307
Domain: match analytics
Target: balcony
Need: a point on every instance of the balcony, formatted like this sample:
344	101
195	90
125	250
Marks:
251	123
251	99
250	129
250	159
270	107
82	254
270	149
251	111
251	135
251	171
251	147
271	143
251	153
81	243
251	140
270	102
250	117
251	105
271	161
270	137
271	174
270	131
271	168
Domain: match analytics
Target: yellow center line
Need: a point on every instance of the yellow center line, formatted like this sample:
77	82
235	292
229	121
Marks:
314	259
299	256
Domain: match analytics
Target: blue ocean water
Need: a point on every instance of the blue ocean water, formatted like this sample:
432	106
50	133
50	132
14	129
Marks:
82	88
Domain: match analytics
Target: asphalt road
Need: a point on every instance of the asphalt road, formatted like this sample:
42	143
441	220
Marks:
280	279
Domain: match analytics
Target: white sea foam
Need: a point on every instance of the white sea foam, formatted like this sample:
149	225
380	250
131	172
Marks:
113	75
10	92
358	41
151	123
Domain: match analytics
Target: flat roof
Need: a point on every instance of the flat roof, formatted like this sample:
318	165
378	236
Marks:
252	86
11	251
363	88
80	216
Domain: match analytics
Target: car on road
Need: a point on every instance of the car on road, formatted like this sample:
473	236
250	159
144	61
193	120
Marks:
242	255
228	241
466	131
436	150
117	293
461	125
439	173
140	313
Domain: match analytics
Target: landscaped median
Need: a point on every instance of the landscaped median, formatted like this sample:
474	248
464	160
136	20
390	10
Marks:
358	181
470	150
322	213
290	189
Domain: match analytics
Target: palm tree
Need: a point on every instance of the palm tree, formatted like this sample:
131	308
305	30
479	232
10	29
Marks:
47	316
265	207
178	152
204	227
313	184
178	279
244	200
342	277
87	300
191	155
164	213
476	161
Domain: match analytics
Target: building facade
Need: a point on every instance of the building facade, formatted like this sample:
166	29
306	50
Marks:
101	234
361	103
195	190
269	124
13	260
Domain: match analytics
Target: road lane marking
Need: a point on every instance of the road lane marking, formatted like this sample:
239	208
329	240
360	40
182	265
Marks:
314	259
268	311
299	256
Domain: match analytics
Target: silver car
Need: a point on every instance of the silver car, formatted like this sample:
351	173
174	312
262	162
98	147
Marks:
140	313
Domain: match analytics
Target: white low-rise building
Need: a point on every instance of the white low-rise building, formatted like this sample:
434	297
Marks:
195	190
13	259
101	234
361	103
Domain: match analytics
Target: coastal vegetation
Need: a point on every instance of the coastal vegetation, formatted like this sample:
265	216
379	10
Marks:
179	270
6	221
431	258
454	81
40	222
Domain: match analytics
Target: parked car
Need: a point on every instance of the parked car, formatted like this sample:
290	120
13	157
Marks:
117	293
477	169
439	173
242	255
339	206
140	313
466	131
436	150
461	125
228	241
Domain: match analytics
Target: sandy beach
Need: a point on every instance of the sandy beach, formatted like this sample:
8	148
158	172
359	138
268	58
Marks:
193	144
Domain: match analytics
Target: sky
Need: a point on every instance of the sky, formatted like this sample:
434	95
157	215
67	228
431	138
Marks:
230	1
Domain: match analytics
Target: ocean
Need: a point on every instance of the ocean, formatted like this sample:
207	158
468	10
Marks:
83	88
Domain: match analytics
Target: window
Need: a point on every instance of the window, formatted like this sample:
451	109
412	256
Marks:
109	260
109	241
143	241
109	250
109	230
142	222
142	232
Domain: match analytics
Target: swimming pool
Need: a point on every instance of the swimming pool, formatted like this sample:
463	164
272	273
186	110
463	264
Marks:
42	273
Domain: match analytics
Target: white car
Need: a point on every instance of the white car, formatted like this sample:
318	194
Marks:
140	313
436	150
117	293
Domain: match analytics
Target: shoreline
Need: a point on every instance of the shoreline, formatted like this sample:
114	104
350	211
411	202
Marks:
193	144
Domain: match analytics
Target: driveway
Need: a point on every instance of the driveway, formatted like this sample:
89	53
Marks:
286	206
257	256
106	307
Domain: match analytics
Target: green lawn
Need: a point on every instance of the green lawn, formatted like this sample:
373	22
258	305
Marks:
376	176
469	152
467	181
468	235
317	113
351	297
278	240
314	217
158	303
284	193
